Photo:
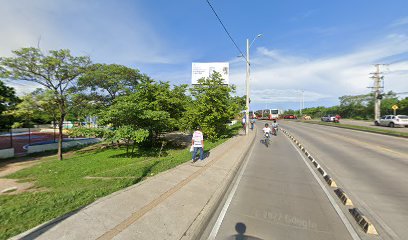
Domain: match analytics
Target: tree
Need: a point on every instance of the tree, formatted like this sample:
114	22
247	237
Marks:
108	81
212	107
8	100
387	102
403	106
153	106
55	71
38	106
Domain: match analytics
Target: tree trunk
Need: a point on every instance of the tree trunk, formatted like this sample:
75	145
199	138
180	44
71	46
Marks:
60	136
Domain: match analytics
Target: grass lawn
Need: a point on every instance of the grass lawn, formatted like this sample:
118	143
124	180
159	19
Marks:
361	128
80	179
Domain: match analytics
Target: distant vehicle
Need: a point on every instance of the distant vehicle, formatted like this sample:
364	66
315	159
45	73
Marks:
270	114
330	118
291	116
258	114
392	121
252	114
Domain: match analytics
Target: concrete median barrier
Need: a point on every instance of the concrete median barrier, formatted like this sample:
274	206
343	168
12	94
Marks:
363	222
343	197
330	181
321	171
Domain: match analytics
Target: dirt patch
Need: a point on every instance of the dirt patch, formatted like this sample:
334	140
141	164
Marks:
14	186
178	138
12	166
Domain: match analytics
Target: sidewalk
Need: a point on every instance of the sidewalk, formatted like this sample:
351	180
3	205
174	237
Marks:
175	204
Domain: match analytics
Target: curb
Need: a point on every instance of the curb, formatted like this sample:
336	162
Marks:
361	220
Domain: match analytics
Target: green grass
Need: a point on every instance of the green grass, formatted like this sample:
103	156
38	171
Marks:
62	186
362	128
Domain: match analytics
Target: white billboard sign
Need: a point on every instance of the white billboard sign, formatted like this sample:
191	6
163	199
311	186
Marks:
205	70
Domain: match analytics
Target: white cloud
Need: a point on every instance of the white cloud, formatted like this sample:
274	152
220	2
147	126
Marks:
400	22
278	77
105	30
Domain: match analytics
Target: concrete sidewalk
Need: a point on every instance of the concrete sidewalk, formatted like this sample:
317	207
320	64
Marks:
175	204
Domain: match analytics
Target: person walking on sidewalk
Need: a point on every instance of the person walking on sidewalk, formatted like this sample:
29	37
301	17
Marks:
198	143
244	123
252	121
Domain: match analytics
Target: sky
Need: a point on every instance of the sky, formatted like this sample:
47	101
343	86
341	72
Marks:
325	49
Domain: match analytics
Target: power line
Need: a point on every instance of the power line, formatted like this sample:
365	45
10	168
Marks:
225	29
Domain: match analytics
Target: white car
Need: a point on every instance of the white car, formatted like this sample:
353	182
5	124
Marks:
329	118
392	121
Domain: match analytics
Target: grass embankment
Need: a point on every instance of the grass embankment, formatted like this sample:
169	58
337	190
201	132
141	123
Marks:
80	179
361	128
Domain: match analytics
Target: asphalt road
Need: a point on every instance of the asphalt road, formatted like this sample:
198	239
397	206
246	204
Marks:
371	124
371	168
277	195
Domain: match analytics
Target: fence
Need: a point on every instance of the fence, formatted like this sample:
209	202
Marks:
18	138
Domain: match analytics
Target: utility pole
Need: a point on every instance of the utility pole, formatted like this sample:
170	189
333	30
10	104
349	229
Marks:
377	90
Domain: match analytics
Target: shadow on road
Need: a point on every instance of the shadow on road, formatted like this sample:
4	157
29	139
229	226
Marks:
241	229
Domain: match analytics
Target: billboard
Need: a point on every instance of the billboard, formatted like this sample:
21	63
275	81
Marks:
205	70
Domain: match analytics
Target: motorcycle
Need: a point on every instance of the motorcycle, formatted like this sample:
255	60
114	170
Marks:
266	140
275	131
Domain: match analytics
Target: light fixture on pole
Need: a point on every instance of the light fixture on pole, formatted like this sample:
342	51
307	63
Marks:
248	65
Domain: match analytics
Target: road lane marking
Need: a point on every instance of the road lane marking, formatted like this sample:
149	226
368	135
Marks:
374	215
221	216
371	146
343	217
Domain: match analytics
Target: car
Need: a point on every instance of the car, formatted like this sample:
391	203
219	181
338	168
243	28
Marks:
330	118
392	121
291	116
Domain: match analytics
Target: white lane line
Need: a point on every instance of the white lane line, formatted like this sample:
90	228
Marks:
220	218
343	217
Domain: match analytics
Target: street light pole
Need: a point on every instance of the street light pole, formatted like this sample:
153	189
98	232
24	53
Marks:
247	89
248	65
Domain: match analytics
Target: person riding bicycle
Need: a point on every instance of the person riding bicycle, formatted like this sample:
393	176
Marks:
275	126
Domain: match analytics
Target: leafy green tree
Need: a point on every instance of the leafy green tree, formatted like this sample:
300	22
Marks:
55	71
403	106
153	106
130	136
212	107
356	106
108	81
8	101
387	102
36	107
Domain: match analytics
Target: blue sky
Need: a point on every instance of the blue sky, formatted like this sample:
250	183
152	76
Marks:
325	48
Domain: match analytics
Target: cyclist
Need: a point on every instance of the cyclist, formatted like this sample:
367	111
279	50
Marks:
275	126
